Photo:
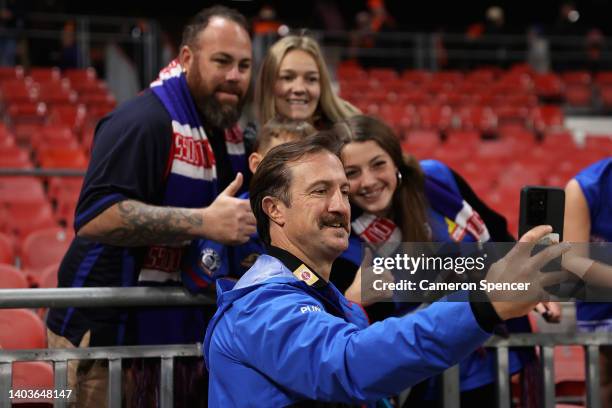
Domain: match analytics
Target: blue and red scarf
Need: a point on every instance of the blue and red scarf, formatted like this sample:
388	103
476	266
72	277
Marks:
463	221
191	173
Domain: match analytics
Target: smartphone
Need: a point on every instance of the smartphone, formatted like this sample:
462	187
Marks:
542	206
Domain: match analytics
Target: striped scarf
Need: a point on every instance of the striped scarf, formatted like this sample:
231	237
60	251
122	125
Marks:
465	223
191	180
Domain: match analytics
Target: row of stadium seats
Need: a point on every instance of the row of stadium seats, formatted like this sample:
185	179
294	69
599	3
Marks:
46	145
482	86
75	99
405	117
26	205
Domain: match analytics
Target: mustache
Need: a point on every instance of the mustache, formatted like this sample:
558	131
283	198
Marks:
231	89
333	219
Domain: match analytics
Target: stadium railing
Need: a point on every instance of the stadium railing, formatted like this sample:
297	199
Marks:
149	296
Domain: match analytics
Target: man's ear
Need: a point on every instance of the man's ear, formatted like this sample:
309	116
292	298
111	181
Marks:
186	58
274	209
254	160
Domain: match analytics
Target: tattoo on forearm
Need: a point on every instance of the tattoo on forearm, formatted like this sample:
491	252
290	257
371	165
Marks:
146	225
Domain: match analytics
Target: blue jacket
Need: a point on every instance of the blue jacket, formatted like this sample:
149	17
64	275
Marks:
275	340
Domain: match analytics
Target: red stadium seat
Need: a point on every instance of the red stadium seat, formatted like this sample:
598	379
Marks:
604	78
72	116
559	140
519	134
578	95
447	77
345	71
16	91
43	248
452	98
62	158
606	96
414	97
547	117
12	278
21	190
468	138
576	78
472	90
7	249
520	99
94	87
45	74
477	117
23	219
27	112
382	74
48	277
33	375
599	143
56	93
548	87
94	100
77	75
511	114
421	143
400	117
435	87
453	156
514	82
59	186
14	157
7	139
499	150
54	136
377	96
21	329
506	202
11	73
416	77
569	371
66	209
435	117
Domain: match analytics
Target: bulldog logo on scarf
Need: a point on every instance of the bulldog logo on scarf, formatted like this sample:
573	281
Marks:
210	261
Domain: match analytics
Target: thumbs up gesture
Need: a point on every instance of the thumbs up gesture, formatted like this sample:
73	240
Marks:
229	220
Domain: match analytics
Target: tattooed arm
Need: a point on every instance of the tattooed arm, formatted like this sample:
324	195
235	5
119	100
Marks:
228	220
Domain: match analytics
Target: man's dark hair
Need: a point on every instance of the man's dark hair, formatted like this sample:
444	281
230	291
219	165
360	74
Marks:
200	21
273	175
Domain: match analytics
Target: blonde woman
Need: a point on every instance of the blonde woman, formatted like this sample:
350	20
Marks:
294	82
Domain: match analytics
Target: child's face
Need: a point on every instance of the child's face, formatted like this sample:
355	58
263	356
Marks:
256	157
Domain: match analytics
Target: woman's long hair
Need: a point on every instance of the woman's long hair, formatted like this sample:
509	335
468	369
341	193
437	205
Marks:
409	205
331	108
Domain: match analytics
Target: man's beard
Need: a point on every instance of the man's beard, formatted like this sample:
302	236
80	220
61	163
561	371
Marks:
220	115
216	114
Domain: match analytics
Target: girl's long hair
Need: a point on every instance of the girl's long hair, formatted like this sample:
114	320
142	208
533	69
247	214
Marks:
409	205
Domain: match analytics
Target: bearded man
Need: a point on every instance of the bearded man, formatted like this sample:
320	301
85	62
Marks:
164	170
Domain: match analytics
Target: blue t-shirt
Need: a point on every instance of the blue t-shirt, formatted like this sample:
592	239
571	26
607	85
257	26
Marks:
596	184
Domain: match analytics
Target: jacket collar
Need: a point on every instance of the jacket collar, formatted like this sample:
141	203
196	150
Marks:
299	269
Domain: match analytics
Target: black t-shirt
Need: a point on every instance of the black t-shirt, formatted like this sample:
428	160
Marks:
130	159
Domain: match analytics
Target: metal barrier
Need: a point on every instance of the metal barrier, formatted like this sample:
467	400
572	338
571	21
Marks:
99	297
176	296
114	355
